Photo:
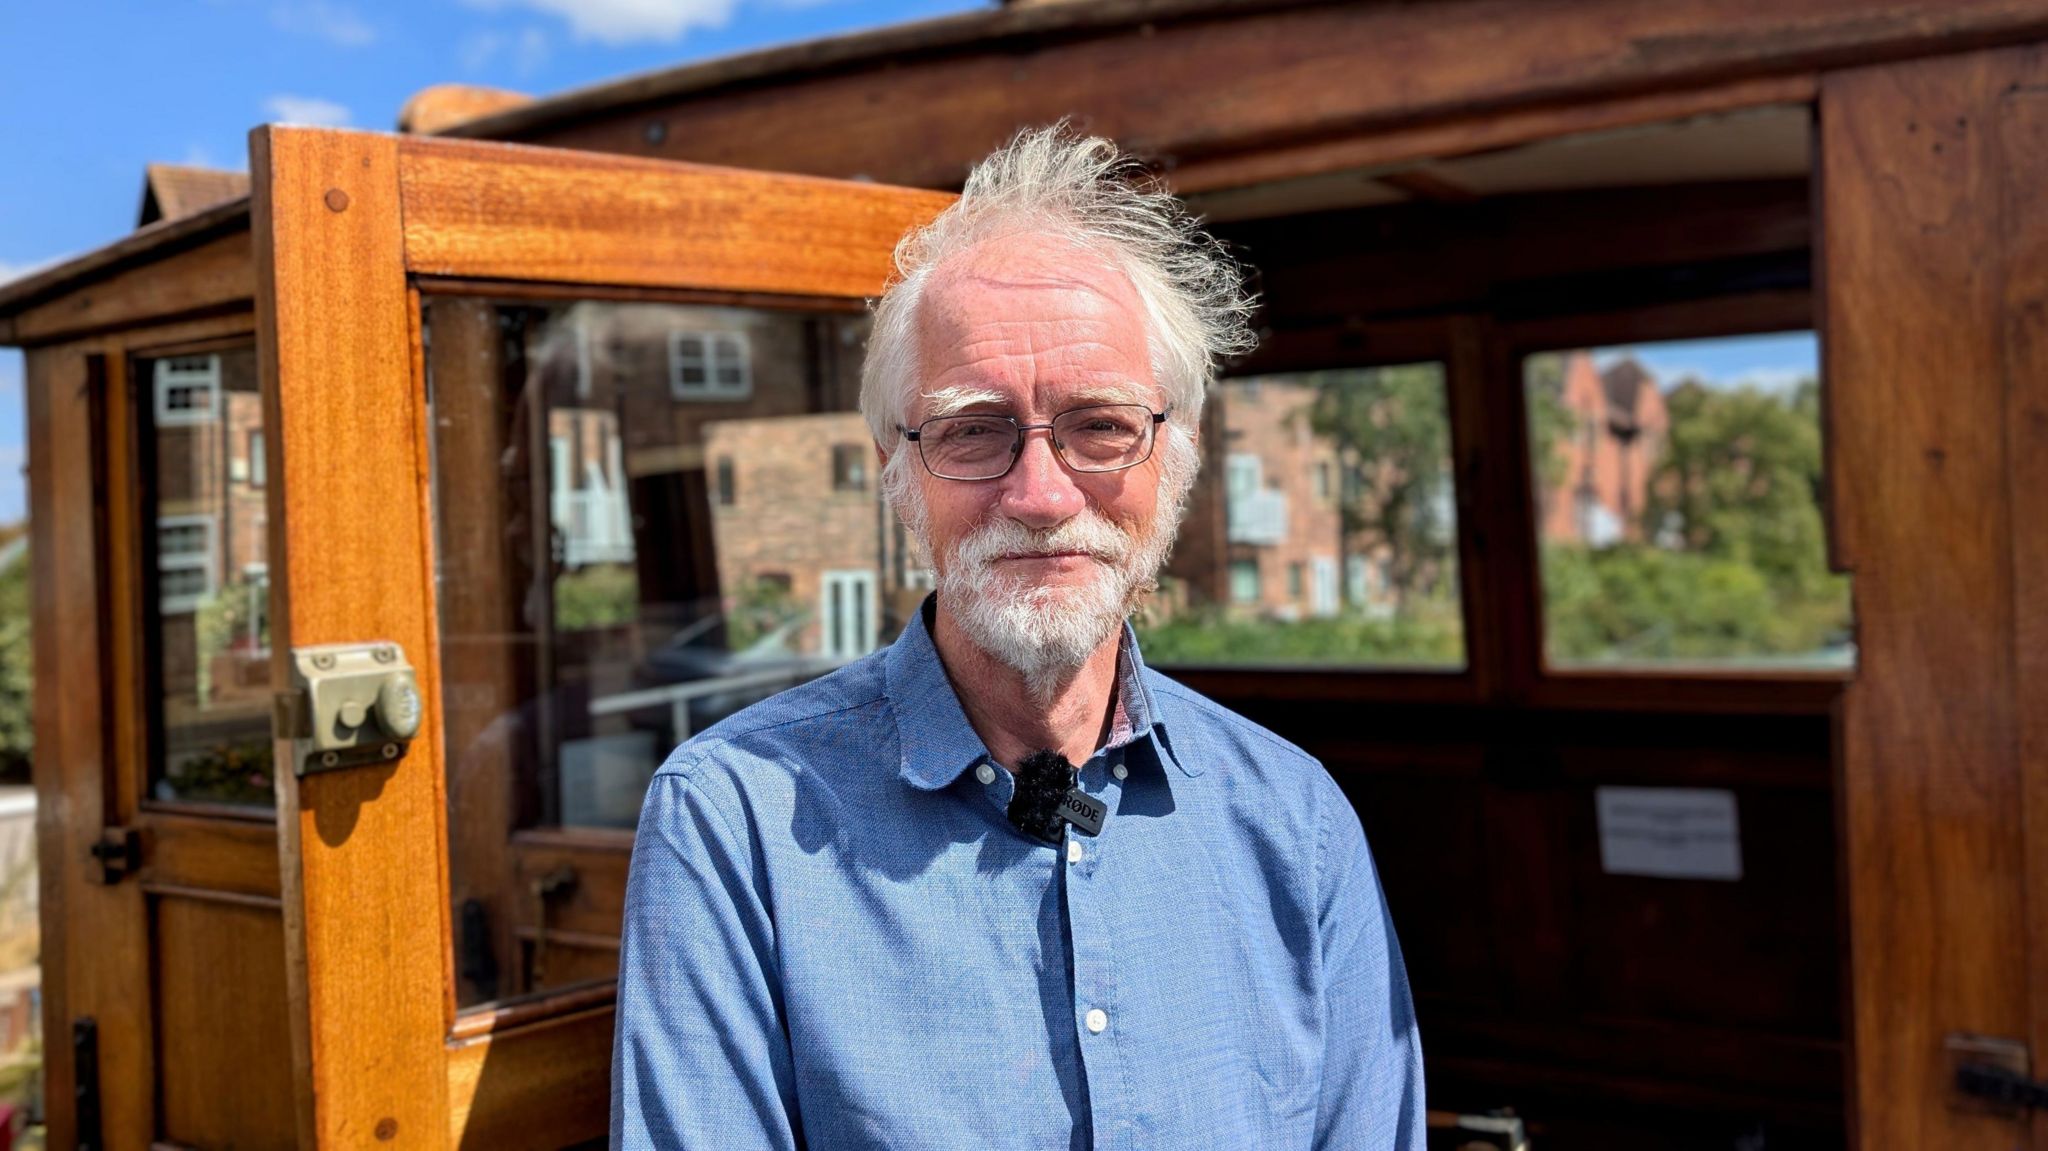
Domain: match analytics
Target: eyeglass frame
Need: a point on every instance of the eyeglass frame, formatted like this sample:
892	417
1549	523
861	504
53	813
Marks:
911	435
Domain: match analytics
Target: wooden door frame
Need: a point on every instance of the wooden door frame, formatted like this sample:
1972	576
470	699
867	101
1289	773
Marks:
1934	241
343	222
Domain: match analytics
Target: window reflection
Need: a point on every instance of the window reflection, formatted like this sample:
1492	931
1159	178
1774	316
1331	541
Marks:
1678	506
1323	528
209	636
648	516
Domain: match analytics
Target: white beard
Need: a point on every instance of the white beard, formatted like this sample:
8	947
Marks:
1045	634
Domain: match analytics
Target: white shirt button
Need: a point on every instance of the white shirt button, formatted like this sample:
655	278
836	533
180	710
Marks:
1119	771
1073	851
985	774
1097	1020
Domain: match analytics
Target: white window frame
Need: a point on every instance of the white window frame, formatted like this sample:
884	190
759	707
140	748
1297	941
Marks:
257	576
202	560
721	349
832	642
169	379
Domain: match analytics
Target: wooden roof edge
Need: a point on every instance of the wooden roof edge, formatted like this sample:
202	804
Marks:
146	243
987	27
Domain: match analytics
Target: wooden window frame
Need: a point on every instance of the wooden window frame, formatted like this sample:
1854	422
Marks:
349	229
1675	689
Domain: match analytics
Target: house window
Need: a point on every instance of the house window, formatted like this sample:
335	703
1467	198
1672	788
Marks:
709	366
849	468
1294	581
258	465
184	563
1244	581
848	616
726	493
187	390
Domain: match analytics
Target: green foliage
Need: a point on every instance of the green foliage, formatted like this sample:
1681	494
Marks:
1734	567
758	609
1549	420
238	773
601	595
1393	438
1427	633
224	619
17	672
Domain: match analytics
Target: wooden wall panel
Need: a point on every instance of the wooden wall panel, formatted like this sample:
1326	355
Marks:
215	276
1926	218
224	1044
2023	141
542	1086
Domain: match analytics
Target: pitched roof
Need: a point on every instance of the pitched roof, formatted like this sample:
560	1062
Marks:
174	191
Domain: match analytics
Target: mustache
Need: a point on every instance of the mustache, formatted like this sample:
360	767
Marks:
1089	533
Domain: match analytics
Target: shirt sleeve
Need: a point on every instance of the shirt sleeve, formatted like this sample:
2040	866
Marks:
1371	1093
701	1057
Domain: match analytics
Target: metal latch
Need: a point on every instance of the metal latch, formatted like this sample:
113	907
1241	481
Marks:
351	704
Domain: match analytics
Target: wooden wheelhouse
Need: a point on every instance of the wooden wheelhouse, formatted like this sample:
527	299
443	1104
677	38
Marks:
520	390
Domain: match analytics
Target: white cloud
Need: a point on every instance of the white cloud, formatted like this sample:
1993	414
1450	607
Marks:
476	51
617	23
532	52
334	23
529	51
288	109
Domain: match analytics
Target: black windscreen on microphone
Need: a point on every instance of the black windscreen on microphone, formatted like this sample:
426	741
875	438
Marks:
1043	780
1048	794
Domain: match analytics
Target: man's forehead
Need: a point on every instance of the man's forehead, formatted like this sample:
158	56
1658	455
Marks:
1028	263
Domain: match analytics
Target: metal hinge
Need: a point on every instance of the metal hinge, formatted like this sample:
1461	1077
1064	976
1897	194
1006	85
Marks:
119	853
1991	1074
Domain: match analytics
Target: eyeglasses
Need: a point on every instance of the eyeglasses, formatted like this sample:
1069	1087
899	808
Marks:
1101	438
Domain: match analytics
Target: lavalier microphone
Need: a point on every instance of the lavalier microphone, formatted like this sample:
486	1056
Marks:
1047	795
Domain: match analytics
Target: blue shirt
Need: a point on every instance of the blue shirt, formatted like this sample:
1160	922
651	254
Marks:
834	938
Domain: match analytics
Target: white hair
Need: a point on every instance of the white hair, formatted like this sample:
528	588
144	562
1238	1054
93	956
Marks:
1087	192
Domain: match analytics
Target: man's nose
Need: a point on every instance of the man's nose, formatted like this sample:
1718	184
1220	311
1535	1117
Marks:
1039	491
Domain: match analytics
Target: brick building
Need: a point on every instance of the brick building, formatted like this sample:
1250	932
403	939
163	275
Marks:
1618	425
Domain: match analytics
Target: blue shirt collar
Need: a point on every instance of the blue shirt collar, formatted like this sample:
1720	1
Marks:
932	730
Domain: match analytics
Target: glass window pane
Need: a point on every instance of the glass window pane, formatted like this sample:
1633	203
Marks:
1314	474
637	535
1678	506
208	638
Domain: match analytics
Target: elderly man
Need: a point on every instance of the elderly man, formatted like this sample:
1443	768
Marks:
884	909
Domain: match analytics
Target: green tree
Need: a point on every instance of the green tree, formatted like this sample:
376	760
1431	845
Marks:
1393	439
17	671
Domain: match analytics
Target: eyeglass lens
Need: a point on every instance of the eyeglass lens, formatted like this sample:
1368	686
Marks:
980	447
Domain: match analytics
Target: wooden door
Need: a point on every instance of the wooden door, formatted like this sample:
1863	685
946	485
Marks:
1935	312
352	232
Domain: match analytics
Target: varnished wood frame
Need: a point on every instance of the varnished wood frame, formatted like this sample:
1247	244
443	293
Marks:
1735	690
343	222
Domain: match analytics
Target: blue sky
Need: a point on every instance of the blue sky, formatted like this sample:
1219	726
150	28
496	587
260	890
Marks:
92	90
1772	362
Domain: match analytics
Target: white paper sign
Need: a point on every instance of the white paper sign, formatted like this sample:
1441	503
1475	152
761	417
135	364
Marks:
1672	832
